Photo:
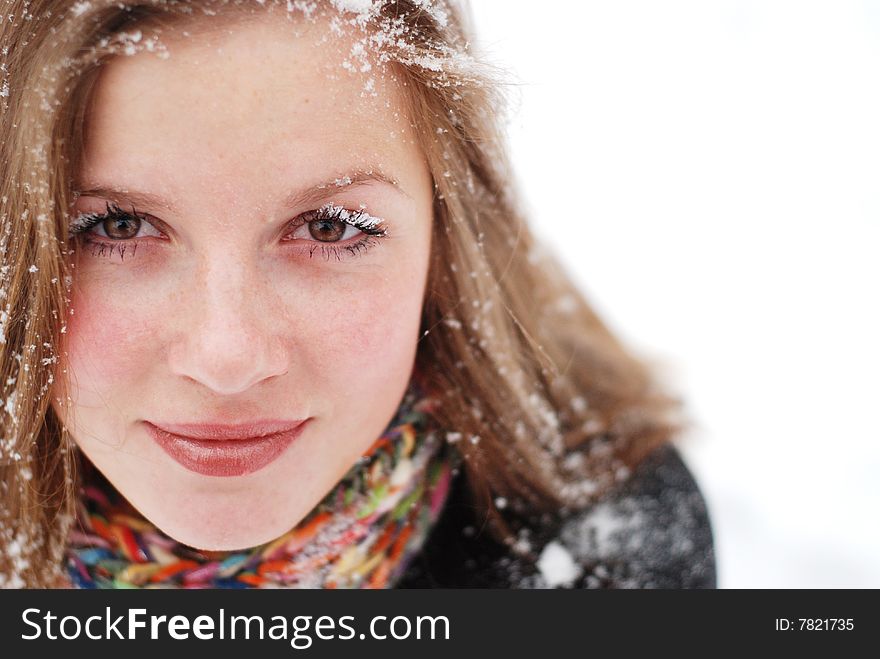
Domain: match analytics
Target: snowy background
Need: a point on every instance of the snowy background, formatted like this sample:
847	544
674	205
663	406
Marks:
710	173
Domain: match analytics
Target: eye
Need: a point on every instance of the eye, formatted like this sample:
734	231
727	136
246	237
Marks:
333	224
115	225
325	230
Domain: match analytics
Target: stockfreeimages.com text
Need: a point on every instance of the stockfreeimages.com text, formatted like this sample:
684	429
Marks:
300	630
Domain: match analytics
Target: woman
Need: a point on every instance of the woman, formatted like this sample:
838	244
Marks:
273	317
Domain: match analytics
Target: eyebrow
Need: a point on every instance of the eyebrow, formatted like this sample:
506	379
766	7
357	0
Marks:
296	199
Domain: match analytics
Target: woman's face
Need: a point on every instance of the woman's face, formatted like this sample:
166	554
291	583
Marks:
236	294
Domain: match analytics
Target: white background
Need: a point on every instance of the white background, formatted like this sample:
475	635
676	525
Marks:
709	171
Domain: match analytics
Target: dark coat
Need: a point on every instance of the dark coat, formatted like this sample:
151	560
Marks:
653	531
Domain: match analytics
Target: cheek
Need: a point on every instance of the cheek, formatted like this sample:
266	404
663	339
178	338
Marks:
109	341
372	330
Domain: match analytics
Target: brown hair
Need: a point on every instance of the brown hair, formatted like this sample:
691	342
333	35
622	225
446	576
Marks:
552	410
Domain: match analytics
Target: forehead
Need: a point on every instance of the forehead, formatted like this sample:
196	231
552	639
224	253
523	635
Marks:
256	95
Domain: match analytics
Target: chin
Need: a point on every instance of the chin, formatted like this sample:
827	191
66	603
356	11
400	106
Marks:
221	524
224	538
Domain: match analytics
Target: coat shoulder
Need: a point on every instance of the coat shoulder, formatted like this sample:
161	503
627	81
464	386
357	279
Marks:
651	531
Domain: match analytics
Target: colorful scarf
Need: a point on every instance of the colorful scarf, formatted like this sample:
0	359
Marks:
361	535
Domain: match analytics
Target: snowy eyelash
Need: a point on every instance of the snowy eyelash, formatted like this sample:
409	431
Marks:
372	227
359	219
86	221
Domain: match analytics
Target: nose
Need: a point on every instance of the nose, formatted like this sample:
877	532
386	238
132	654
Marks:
226	337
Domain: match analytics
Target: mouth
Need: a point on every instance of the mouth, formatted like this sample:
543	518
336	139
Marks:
223	450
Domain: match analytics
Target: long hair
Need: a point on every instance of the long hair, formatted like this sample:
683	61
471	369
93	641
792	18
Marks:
547	408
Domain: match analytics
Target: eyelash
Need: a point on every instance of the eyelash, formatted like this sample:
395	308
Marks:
372	228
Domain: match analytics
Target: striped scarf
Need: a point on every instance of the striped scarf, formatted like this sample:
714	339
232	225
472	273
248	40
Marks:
361	535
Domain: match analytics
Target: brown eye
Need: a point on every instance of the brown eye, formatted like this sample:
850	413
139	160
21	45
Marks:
327	230
122	228
334	224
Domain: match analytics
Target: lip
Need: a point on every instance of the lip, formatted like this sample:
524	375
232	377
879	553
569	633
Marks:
225	450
